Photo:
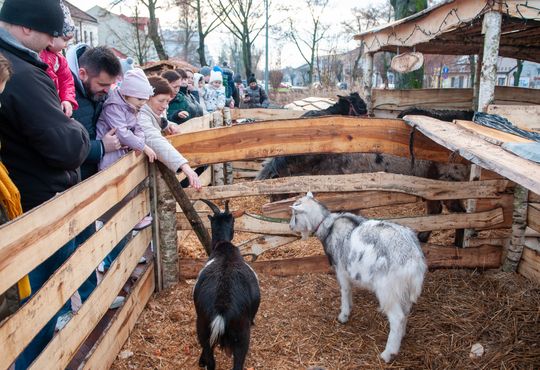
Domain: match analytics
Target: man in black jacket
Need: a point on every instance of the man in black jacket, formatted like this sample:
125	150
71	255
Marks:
41	147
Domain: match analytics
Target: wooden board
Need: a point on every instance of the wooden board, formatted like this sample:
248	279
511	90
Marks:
67	279
526	117
122	325
483	257
341	202
490	134
394	101
196	124
506	202
252	224
480	152
36	235
533	216
379	181
262	114
331	134
529	265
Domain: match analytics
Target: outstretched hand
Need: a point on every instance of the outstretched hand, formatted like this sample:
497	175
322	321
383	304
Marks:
192	176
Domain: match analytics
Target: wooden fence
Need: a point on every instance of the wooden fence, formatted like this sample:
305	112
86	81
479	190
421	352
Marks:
346	192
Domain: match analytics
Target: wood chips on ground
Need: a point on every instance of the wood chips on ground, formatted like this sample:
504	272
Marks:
297	328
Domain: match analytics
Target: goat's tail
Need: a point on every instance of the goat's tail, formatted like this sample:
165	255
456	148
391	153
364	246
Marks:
217	328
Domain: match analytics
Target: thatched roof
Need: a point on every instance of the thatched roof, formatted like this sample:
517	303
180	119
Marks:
162	65
454	27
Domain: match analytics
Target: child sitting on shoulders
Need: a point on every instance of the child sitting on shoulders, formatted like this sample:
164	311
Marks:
214	95
120	112
58	67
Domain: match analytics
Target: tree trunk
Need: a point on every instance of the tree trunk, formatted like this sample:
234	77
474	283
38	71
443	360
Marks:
202	36
153	31
517	73
402	9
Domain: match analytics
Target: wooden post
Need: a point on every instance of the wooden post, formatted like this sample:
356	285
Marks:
367	82
218	177
167	255
187	207
519	224
476	87
474	175
155	226
491	28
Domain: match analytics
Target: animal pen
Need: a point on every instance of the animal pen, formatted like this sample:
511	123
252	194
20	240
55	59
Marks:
503	199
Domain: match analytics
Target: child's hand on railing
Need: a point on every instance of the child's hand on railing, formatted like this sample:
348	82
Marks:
150	153
192	176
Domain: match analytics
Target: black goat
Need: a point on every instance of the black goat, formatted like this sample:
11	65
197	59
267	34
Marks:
440	114
226	295
351	105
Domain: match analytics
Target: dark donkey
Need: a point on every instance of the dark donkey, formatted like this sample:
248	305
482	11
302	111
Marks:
347	163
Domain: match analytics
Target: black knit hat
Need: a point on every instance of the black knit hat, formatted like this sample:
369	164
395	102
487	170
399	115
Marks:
39	15
251	79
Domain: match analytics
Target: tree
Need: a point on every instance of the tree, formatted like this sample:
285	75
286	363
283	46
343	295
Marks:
153	28
307	39
187	22
402	9
275	77
205	24
364	19
245	20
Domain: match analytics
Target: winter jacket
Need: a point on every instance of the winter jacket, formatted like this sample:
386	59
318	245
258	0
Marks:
87	114
214	98
183	101
41	147
61	75
258	97
166	153
119	114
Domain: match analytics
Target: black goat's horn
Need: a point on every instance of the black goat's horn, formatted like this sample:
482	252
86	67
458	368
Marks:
212	206
227	206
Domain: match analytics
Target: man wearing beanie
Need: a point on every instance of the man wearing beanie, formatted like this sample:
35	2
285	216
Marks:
256	96
42	148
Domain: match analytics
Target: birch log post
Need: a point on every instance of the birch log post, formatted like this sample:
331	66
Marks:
519	225
218	173
491	28
167	255
187	207
367	81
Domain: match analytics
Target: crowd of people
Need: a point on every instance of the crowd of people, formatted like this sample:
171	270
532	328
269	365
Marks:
65	118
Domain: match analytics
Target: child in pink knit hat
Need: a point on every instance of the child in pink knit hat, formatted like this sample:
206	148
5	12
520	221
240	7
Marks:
120	112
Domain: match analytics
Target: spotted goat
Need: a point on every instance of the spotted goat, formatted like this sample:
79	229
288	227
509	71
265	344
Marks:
380	256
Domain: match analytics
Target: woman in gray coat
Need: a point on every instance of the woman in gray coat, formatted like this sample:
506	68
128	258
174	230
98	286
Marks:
153	124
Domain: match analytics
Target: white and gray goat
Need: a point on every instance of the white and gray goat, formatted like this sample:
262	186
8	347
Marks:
381	256
226	295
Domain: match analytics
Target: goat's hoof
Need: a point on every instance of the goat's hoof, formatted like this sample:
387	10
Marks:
387	356
343	318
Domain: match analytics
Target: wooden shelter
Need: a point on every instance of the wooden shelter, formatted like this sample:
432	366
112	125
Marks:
486	28
163	65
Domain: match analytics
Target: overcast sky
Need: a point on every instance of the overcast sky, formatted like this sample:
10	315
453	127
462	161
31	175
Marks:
337	11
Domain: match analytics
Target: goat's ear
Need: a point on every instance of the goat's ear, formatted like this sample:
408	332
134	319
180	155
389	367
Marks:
210	217
309	194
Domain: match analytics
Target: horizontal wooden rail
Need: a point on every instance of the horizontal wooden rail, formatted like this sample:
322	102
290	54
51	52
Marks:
15	331
380	181
332	134
31	239
65	344
342	202
484	257
252	224
266	114
109	345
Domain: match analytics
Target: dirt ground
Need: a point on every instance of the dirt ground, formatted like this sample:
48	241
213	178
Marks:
297	328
